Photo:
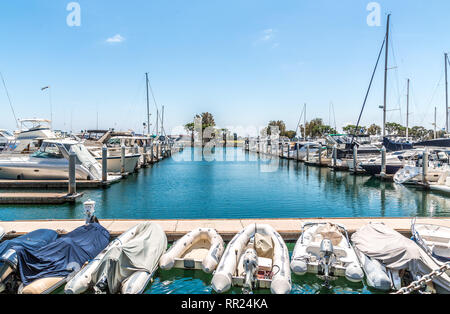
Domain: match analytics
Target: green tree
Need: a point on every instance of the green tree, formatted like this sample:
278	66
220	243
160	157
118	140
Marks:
189	127
374	129
350	129
290	134
281	127
316	128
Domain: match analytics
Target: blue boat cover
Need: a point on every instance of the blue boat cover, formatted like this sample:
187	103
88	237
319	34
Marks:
33	240
61	257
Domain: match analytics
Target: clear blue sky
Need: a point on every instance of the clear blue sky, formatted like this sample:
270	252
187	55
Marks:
246	62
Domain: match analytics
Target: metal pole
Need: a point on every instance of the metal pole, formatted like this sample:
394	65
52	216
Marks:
355	158
104	163
298	150
435	123
407	111
122	159
72	174
446	94
385	75
307	153
152	146
148	106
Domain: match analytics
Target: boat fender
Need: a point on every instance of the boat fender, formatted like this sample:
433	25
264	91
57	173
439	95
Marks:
354	272
221	282
299	266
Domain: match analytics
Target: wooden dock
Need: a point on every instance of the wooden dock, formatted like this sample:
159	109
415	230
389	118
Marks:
38	198
289	229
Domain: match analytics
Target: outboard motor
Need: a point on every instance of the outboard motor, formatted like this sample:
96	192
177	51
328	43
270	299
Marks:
101	287
326	259
8	266
250	262
89	210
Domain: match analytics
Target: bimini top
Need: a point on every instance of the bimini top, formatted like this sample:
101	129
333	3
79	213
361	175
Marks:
61	257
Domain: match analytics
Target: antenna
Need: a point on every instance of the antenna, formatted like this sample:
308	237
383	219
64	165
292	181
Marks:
9	99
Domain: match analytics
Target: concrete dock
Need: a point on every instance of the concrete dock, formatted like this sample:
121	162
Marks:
38	198
289	229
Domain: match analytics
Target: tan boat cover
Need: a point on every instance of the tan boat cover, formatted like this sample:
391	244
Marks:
328	231
263	245
141	252
395	251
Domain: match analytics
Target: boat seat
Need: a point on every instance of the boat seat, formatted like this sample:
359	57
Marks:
314	248
198	251
40	286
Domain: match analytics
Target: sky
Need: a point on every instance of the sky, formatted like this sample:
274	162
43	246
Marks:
245	61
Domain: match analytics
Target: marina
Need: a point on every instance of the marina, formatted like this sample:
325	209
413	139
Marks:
238	153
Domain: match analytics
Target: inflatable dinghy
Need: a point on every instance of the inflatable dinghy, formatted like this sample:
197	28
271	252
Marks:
201	248
126	265
44	269
324	249
256	257
403	260
9	281
433	239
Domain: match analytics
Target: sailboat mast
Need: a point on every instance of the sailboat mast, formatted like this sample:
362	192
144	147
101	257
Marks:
385	75
162	121
446	94
304	117
148	105
435	123
407	111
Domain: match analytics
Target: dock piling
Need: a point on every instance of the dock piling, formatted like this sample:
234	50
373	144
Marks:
383	161
72	174
122	159
355	158
425	166
334	155
104	163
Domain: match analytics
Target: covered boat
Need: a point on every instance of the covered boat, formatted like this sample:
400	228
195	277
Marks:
2	233
43	269
324	249
256	257
403	260
201	248
8	256
126	265
433	239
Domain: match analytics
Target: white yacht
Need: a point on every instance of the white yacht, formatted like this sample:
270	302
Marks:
5	138
51	162
29	137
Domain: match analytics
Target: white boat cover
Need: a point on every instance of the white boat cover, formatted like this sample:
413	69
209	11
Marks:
395	251
141	253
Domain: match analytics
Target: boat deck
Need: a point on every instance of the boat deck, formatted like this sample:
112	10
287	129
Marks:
289	229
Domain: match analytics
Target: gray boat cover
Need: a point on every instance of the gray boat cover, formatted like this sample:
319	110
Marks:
140	253
395	251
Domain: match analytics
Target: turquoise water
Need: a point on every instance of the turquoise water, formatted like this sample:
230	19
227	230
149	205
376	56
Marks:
242	186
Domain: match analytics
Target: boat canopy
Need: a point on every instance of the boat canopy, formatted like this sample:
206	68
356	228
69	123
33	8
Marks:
61	257
140	253
32	241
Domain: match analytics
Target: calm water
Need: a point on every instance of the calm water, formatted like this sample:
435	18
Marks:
239	185
243	186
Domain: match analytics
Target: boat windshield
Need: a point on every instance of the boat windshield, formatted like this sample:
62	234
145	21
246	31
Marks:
48	150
